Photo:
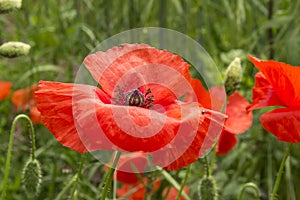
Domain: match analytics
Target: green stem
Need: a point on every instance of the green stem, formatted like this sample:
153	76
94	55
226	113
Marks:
73	180
207	166
213	160
188	169
9	150
109	175
251	185
173	182
280	171
67	187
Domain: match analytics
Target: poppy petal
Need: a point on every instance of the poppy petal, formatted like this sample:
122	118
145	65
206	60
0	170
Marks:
203	96
24	98
189	145
133	65
98	62
4	89
226	142
35	115
263	94
54	101
284	123
283	78
239	120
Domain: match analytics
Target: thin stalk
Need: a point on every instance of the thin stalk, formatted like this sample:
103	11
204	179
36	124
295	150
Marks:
173	182
73	180
188	169
213	160
249	185
289	180
269	168
115	187
280	171
207	166
9	150
67	187
109	175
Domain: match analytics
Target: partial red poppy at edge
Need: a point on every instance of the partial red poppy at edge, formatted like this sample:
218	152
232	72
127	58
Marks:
23	99
5	87
278	84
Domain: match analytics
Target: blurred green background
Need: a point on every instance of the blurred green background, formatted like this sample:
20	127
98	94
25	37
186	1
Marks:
63	32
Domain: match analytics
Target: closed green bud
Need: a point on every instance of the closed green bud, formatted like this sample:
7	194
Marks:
7	6
233	76
32	177
14	49
208	189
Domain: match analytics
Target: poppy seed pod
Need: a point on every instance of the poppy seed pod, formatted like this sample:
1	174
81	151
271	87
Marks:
32	177
233	76
7	6
208	189
14	49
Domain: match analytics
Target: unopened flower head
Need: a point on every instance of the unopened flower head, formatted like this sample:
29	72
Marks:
14	49
32	177
7	6
233	76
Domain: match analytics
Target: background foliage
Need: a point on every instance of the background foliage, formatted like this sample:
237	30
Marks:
63	32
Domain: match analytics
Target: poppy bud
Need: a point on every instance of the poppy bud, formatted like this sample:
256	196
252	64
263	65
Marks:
233	76
32	177
208	189
7	6
14	49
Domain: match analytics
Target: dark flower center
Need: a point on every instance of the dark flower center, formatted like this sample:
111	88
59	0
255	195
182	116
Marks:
134	98
137	98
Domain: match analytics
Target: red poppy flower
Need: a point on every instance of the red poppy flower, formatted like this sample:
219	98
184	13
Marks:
137	191
278	84
238	121
4	89
23	99
137	107
172	193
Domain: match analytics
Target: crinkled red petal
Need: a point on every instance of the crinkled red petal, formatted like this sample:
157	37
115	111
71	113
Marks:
192	139
263	94
239	120
55	101
5	87
284	123
131	128
133	65
283	78
203	96
226	143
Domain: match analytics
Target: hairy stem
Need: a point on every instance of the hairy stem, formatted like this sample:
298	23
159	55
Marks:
280	171
9	150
